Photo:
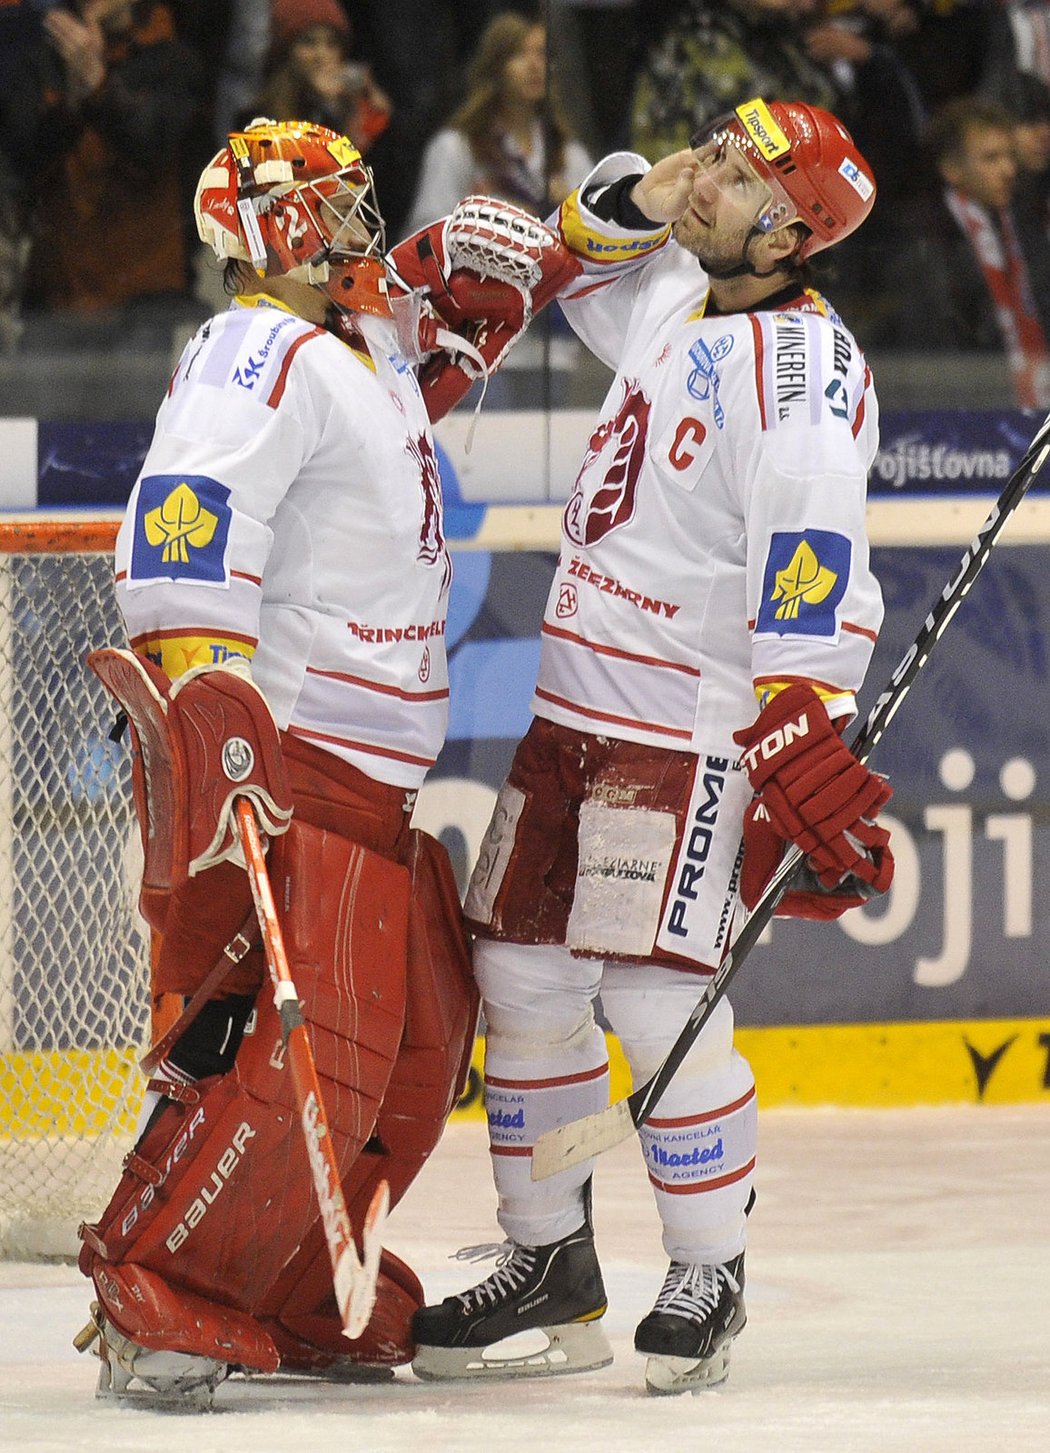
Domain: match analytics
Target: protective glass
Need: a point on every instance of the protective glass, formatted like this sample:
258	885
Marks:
733	164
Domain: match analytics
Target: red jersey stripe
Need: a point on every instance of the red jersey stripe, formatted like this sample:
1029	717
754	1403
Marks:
277	392
595	715
760	360
378	686
603	650
298	731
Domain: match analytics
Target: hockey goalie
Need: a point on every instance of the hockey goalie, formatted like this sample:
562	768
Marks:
283	577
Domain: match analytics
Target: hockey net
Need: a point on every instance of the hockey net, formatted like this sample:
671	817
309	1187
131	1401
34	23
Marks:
74	954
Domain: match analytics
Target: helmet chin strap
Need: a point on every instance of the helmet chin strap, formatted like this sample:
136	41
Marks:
745	268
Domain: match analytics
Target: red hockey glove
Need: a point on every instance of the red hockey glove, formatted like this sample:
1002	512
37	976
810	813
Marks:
486	271
815	792
764	848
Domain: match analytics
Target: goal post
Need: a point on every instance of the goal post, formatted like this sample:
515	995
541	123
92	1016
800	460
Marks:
74	953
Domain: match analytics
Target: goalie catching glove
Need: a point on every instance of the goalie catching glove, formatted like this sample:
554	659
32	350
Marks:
484	273
810	790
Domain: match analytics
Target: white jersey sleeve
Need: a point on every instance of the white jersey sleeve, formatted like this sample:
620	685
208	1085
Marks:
600	302
813	605
231	437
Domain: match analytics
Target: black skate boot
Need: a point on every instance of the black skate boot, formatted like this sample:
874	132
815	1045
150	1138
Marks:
687	1335
557	1289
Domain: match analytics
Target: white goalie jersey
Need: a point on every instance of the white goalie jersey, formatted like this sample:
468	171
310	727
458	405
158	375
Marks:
289	511
714	544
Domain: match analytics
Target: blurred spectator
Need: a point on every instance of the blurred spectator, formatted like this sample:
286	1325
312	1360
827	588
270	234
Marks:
419	51
856	39
956	48
599	43
14	254
965	279
311	77
104	97
1029	109
715	54
232	40
509	138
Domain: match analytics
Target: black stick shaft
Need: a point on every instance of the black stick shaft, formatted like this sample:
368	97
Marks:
645	1099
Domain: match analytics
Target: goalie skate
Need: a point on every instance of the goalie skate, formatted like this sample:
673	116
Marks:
688	1334
146	1377
555	1290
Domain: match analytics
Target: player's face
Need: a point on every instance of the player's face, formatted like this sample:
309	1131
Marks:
727	199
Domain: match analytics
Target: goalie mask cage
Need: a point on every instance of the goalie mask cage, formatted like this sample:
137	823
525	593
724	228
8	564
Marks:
74	953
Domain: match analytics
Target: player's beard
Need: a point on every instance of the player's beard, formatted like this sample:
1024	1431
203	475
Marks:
721	259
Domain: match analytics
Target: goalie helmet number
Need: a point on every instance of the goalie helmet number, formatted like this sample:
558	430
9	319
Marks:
238	759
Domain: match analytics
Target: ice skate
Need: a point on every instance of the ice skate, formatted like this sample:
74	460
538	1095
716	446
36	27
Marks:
688	1334
142	1376
556	1290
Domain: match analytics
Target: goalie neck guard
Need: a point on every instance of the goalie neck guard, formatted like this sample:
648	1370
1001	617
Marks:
296	200
809	163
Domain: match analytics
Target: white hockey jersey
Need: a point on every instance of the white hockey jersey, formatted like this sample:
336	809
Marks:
289	510
714	545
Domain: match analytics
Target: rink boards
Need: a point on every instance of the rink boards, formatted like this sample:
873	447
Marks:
938	993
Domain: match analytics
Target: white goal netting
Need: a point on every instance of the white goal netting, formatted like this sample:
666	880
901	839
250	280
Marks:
74	995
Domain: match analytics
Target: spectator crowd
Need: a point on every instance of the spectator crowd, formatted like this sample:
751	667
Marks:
107	106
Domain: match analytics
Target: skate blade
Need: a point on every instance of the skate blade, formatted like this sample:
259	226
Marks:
571	1347
133	1393
668	1376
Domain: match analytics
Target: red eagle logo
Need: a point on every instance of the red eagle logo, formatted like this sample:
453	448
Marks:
618	444
431	534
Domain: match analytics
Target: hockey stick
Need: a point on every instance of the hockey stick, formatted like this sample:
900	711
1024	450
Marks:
577	1141
354	1278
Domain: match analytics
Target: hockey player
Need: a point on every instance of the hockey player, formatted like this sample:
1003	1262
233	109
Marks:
710	622
283	577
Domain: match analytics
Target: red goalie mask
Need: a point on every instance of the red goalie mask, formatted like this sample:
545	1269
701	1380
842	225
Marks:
296	200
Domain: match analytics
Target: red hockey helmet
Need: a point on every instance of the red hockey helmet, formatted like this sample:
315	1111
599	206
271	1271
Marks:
810	163
296	200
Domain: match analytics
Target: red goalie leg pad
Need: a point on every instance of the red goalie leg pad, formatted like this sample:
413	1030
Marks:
441	1013
237	1141
138	1276
145	1308
313	1339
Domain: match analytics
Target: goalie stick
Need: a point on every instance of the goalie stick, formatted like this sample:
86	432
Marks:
354	1277
568	1145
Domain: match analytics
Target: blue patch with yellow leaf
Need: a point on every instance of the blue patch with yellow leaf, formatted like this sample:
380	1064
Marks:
182	528
805	578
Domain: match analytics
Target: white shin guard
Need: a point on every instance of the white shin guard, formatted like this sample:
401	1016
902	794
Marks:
699	1146
545	1063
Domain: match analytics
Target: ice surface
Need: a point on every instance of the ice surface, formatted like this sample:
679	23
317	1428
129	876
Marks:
898	1293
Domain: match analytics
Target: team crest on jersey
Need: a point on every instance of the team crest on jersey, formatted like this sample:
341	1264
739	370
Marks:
182	529
804	581
618	446
568	602
431	534
704	381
